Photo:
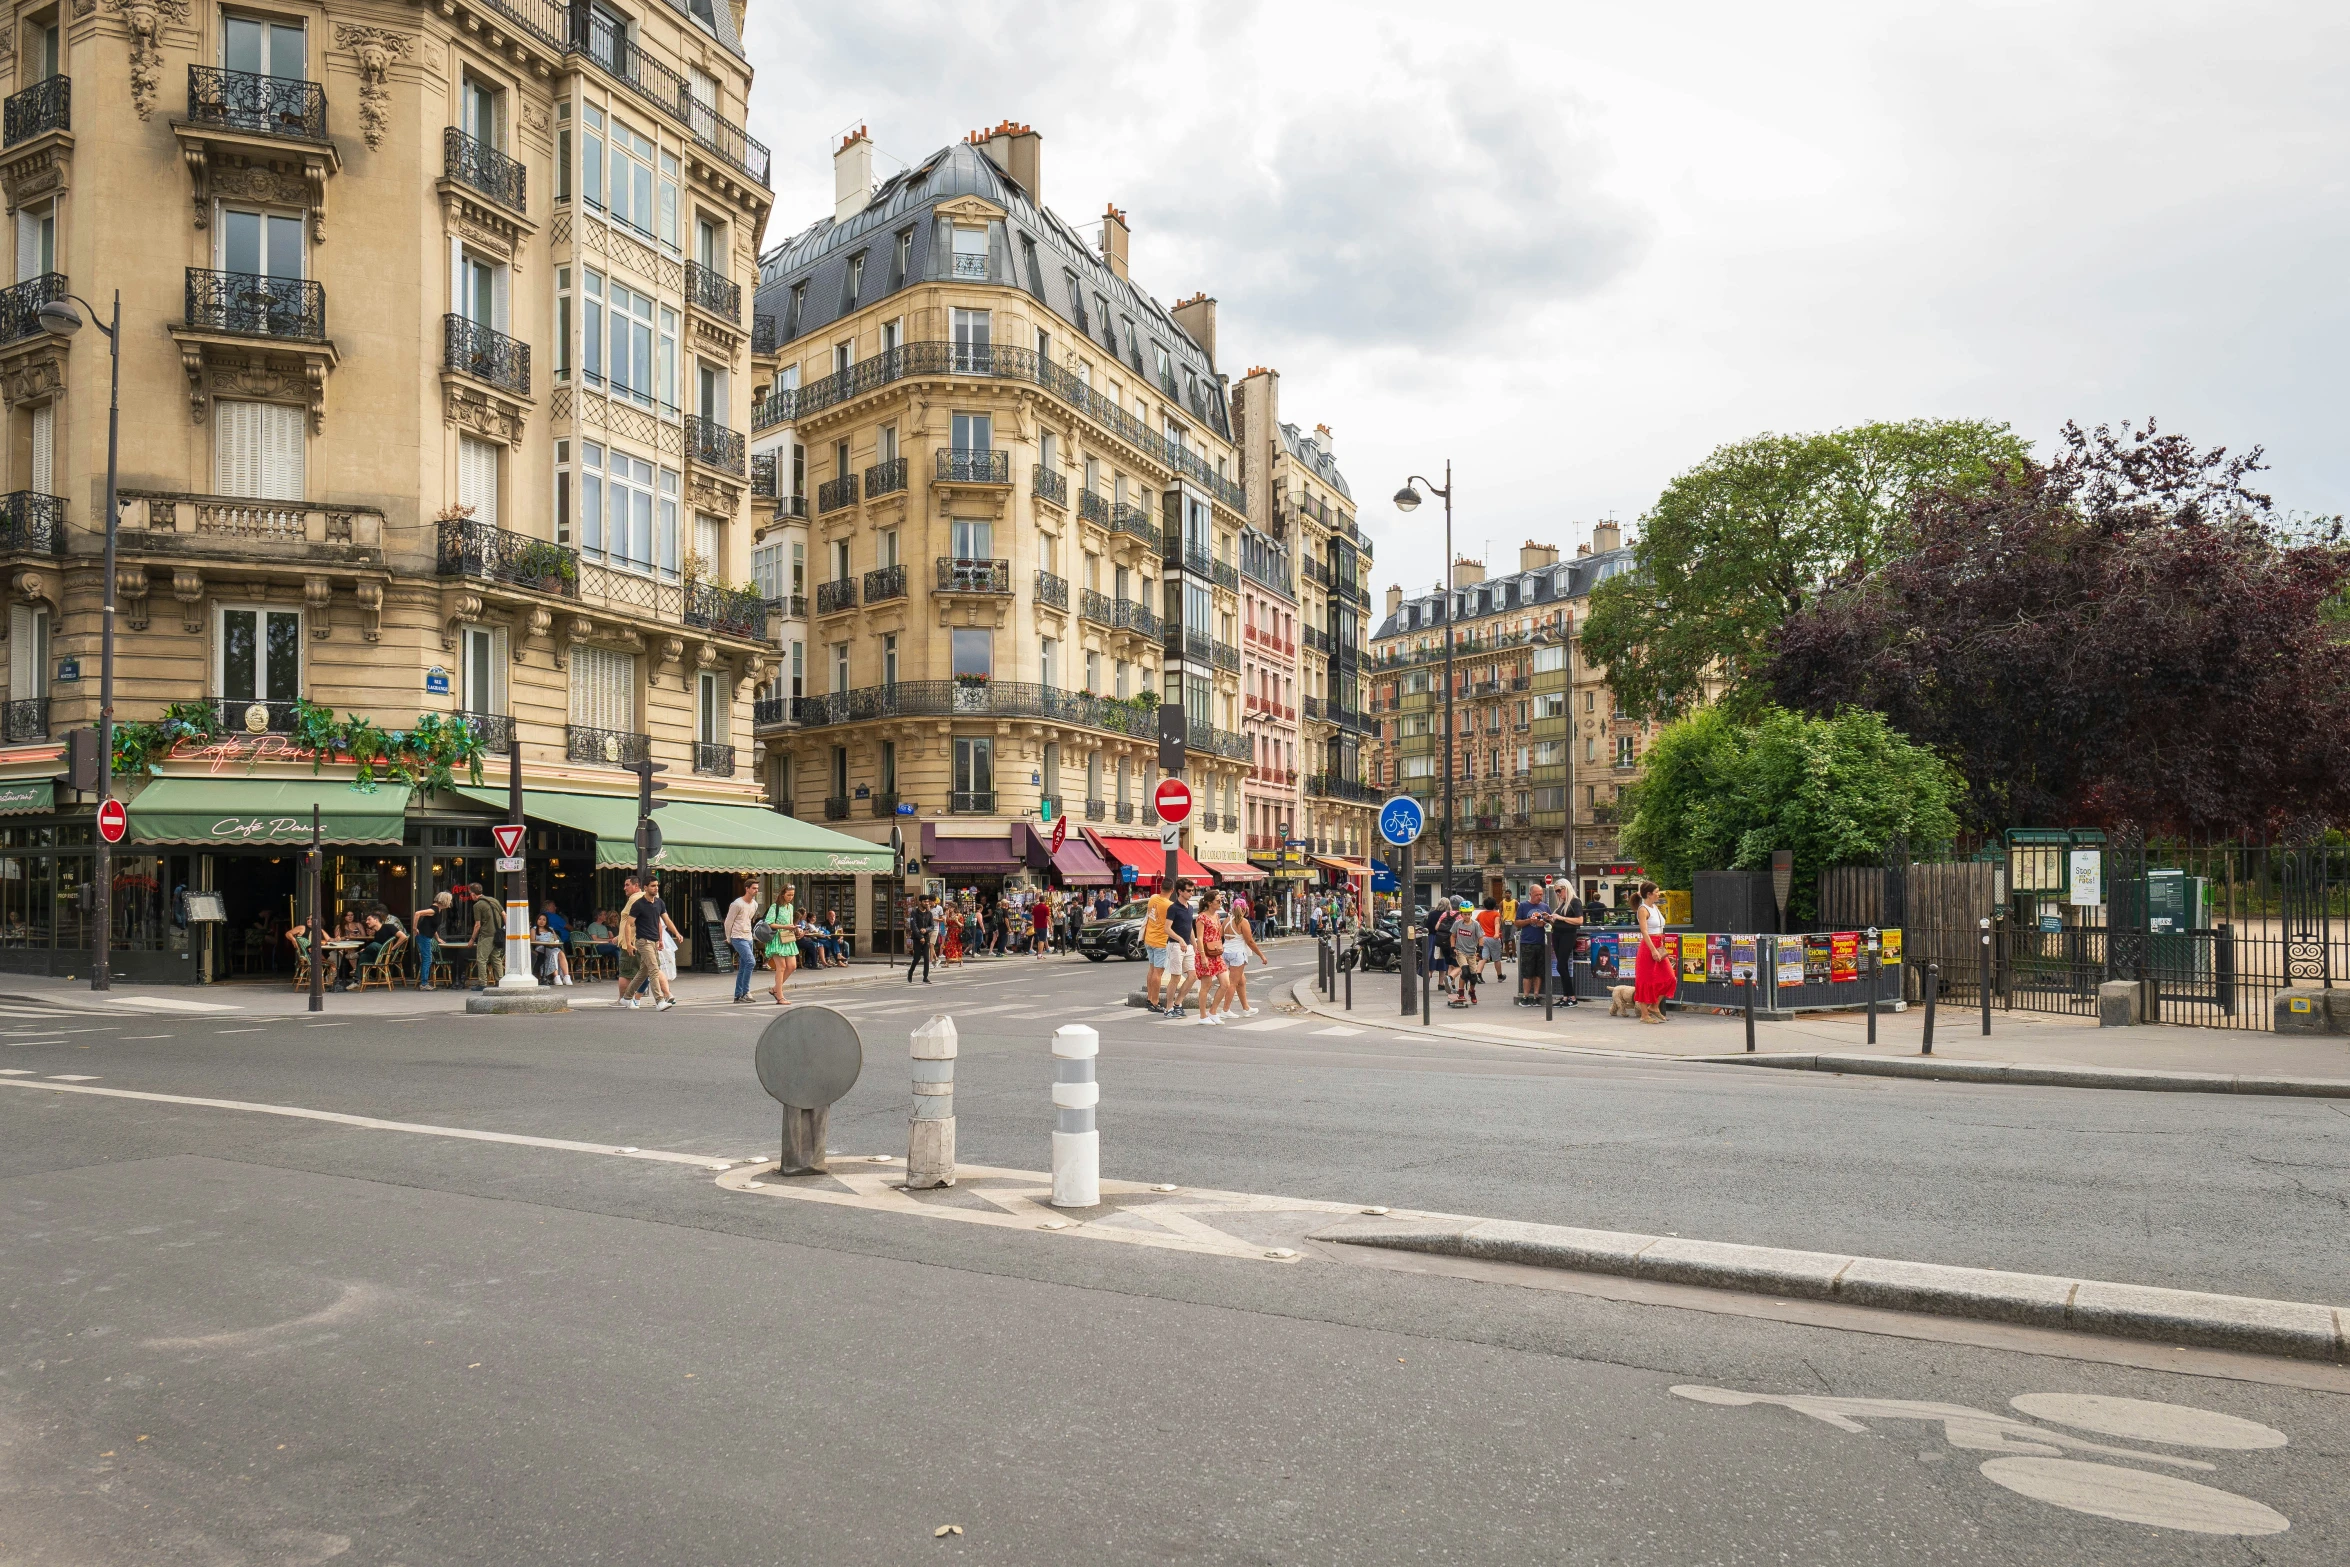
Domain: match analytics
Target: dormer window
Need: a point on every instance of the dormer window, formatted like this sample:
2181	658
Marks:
971	254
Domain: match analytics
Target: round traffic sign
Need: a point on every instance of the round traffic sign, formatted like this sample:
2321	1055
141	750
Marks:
113	821
809	1057
1401	820
1173	798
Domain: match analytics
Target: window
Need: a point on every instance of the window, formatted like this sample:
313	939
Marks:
603	689
591	155
260	655
36	241
853	283
971	253
1101	307
799	669
889	766
477	477
1166	369
630	183
971	329
840	560
1048	450
904	260
1624	752
893	334
889	659
28	652
974	773
1122	690
1548	659
260	244
562	323
844	354
974	432
767	570
563	151
481	670
1549	753
264	48
1591	750
44	454
710	709
710	546
799	303
840	772
840	666
1419	767
483	108
1048	665
709	390
1093	672
888	555
257	450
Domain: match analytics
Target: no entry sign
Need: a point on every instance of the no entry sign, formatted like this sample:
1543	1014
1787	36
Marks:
1173	798
113	821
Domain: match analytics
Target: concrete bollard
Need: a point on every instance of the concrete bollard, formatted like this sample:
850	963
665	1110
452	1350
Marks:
930	1135
1077	1144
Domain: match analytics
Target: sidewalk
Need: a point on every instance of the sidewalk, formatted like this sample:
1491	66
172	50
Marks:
2022	1047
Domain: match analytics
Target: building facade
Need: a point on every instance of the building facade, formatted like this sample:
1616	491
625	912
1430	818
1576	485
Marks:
437	408
1007	524
1539	758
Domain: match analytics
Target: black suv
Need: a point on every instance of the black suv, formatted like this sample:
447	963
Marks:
1119	936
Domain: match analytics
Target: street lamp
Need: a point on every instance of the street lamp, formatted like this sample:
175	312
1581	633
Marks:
60	317
1408	499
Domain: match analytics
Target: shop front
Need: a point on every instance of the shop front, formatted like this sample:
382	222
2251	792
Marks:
1075	866
984	865
1146	858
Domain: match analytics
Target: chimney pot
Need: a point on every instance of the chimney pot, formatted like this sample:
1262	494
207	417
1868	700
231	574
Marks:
1606	536
1197	316
852	175
1533	556
1114	232
1018	151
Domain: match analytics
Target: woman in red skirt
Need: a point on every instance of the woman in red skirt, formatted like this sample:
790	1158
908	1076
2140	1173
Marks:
1655	967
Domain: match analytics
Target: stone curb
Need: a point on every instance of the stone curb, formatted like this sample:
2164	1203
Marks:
2293	1329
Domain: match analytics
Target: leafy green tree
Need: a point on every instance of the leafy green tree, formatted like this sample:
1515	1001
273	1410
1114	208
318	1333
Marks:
1745	539
1719	793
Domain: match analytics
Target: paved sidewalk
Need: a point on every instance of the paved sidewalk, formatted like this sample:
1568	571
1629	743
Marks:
2018	1039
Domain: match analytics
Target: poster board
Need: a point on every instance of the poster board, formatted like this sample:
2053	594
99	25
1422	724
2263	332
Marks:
1742	959
1843	957
1693	956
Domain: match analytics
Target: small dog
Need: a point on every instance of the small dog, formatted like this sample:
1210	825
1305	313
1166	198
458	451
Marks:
1620	1003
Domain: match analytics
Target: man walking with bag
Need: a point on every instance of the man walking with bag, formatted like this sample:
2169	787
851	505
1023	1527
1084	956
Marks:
489	939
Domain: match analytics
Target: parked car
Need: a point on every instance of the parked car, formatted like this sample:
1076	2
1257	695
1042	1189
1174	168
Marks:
1119	936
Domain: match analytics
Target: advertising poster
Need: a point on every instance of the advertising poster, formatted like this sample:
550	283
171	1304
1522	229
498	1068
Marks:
1742	950
1790	961
1605	966
2085	881
1692	957
1815	960
1717	959
1889	948
1844	956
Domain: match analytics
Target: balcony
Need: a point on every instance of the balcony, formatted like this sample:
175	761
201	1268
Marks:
836	808
769	711
1137	719
1049	486
777	407
1332	786
1133	615
713	760
957	467
885	478
727	612
47	105
1052	592
1134	522
957	575
1226	657
262	105
884	583
238	713
1125	810
713	445
249	305
482	549
495	731
1093	507
791	606
32	522
1097	810
764	337
1093	606
20	305
1313	707
26	718
580	28
715	292
763	475
834	597
971	802
792	506
478	166
1226	575
486	355
1231	823
611	747
1208	740
833	494
1195	646
885	802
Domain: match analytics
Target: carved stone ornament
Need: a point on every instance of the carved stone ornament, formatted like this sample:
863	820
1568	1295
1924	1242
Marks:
188	587
468	407
318	602
33	588
535	118
672	651
130	587
36	175
371	610
214	370
143	20
374	49
542	623
32	370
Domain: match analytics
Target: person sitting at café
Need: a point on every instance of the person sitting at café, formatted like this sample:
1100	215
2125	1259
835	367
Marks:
834	940
551	940
600	931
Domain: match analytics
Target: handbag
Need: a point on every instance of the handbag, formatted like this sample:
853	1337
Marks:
761	934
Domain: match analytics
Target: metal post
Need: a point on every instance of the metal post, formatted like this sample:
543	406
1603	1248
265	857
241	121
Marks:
518	965
1407	951
1350	988
1450	739
1750	1000
1549	990
102	858
1933	984
1875	968
930	1135
317	919
1986	978
1427	963
1077	1143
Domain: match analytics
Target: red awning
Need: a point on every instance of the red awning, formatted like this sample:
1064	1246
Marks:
1148	859
1226	870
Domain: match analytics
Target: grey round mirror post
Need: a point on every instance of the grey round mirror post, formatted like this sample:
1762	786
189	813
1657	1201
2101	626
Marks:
806	1060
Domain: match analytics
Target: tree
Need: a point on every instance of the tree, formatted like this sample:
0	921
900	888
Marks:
2121	634
1747	537
1721	794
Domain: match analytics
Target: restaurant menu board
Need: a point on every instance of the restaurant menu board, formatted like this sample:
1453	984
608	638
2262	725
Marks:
1844	956
1790	961
1742	959
1889	948
1815	960
1606	966
1693	957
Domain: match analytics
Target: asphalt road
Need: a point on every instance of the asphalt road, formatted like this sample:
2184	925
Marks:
233	1337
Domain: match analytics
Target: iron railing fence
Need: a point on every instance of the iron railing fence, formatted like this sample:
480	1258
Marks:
247	101
486	353
473	162
47	105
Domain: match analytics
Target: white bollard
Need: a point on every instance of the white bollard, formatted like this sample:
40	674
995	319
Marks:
1077	1145
930	1136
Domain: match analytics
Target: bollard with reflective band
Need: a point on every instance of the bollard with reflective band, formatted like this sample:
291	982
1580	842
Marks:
1077	1145
518	974
930	1135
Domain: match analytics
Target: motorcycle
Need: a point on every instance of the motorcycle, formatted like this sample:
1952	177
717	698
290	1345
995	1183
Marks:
1379	948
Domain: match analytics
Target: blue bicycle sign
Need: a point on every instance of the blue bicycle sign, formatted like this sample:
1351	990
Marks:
1401	820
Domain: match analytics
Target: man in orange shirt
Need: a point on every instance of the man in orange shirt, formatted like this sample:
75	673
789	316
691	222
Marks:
1489	937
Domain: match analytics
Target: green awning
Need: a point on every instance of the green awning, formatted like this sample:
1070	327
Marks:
19	795
700	837
610	819
271	811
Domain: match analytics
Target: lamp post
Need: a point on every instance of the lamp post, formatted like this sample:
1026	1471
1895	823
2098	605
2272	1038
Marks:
60	317
1407	499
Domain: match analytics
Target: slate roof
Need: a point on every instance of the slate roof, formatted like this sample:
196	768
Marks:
1569	579
1325	466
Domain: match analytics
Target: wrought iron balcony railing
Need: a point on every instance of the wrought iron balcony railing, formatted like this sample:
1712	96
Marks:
486	354
885	802
768	711
1125	810
267	105
763	475
714	291
973	576
833	494
26	718
1226	575
1093	506
777	407
713	760
1051	591
1138	719
612	747
1227	656
763	336
1049	485
1193	645
729	612
836	808
20	305
32	522
971	802
1135	616
479	166
884	583
975	467
713	445
483	549
1208	740
1093	606
792	506
885	478
47	105
833	597
494	730
1231	822
250	715
1132	520
293	309
791	606
1333	786
1097	810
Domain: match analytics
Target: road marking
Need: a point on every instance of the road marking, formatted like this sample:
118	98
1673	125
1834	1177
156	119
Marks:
16	1071
1339	1033
16	1043
71	1077
981	1011
128	1037
169	1004
240	1031
306	1025
1265	1025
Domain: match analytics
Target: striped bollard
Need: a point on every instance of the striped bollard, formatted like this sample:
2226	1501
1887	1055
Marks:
930	1135
1077	1146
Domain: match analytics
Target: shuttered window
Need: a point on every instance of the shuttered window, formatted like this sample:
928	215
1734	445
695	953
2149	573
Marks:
44	448
477	477
257	450
603	689
28	652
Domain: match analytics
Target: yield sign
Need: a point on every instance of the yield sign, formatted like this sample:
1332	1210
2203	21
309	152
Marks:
509	836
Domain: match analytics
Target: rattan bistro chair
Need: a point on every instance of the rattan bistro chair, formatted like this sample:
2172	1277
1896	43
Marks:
384	968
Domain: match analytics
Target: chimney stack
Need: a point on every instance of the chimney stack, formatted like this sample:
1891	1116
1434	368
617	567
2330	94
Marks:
1114	232
1197	316
1394	600
852	175
1325	441
1533	556
1606	536
1466	572
1018	151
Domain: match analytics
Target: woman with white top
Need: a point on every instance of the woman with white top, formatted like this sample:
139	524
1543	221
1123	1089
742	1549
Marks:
1655	974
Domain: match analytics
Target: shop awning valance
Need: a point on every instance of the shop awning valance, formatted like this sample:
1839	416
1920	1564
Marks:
19	796
267	811
696	836
1148	859
1352	870
1233	871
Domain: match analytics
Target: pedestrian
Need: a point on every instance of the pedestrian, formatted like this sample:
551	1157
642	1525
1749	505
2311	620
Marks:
1654	976
553	924
1533	928
741	915
1468	939
1208	954
1040	916
1489	937
646	916
489	962
1182	950
1240	949
1566	933
428	936
783	939
1440	946
1155	931
920	923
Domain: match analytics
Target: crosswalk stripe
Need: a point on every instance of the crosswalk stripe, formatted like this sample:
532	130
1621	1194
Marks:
1341	1033
1266	1025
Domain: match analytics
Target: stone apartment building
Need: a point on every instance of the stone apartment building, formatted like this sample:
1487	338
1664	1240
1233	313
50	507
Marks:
1539	757
436	408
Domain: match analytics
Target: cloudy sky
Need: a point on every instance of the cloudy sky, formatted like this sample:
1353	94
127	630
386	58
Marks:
1574	247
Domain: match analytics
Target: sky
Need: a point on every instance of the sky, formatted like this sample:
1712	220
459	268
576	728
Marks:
1573	248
